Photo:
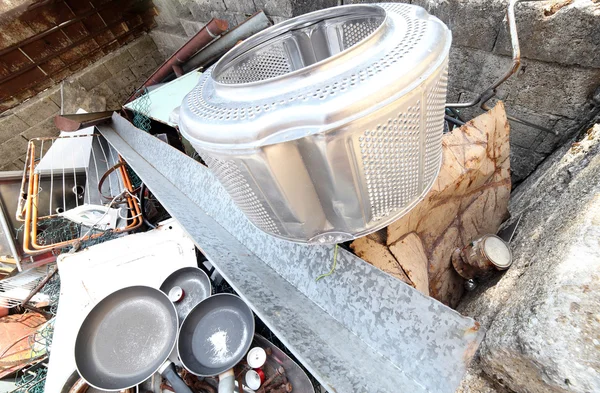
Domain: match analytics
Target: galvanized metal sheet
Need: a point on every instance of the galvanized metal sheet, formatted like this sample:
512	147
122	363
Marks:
359	329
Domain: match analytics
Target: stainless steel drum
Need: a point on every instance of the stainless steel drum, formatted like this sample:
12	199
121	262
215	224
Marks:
328	126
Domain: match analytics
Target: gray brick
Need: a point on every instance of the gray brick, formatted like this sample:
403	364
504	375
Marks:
278	19
142	47
241	6
201	9
54	94
547	143
529	137
191	27
542	87
93	76
143	67
46	128
12	149
276	7
118	62
17	165
36	110
10	126
569	36
124	80
465	66
523	162
474	23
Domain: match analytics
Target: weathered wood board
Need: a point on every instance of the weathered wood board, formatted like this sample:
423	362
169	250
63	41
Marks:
469	199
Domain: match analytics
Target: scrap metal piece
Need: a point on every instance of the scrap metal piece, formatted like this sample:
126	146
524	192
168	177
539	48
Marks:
348	327
77	121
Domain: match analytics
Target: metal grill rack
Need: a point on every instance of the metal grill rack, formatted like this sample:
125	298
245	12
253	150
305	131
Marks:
64	173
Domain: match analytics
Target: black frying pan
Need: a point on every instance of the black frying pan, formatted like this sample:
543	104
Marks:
215	336
194	285
126	338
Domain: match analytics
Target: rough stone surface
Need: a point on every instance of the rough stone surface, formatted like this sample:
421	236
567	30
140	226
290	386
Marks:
88	89
12	149
10	126
543	315
46	128
35	111
546	31
119	62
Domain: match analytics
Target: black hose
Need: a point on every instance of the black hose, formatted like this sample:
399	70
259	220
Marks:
143	207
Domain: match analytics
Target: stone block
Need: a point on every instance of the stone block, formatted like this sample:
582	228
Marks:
542	87
464	67
547	143
277	19
12	149
191	27
523	161
142	47
542	314
76	96
289	8
201	9
241	6
46	128
143	67
17	165
93	75
525	136
474	24
36	110
118	61
124	80
10	126
169	12
548	29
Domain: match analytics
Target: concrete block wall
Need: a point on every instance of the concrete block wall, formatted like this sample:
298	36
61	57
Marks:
102	86
557	87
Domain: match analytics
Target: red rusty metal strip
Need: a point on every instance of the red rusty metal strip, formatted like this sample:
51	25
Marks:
61	51
213	29
118	4
128	33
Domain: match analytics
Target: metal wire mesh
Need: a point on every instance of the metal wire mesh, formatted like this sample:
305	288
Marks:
141	109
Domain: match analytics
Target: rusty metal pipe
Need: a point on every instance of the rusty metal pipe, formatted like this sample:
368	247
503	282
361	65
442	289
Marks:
218	48
205	36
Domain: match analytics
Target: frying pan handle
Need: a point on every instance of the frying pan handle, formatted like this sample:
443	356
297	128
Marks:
168	371
227	382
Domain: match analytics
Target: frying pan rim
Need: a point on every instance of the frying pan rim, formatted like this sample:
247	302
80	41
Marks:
204	275
248	341
172	346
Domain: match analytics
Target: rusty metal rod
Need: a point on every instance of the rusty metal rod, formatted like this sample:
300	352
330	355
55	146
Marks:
218	48
205	36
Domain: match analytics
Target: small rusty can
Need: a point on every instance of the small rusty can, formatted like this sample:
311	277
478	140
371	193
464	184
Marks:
481	256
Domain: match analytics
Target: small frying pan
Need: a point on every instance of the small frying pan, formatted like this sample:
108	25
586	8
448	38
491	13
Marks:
186	287
126	338
215	336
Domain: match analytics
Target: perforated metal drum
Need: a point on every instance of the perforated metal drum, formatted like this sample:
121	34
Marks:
328	126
